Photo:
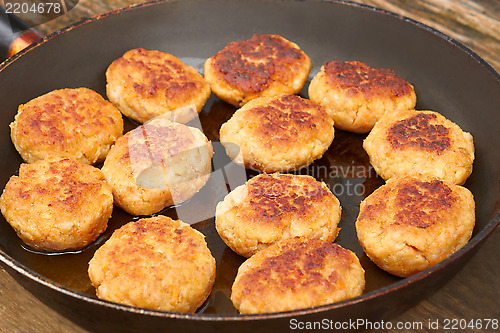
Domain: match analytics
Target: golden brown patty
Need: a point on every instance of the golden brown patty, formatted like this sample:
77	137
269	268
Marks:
156	165
265	65
155	263
145	84
356	95
420	143
410	224
277	133
269	208
76	123
57	204
296	274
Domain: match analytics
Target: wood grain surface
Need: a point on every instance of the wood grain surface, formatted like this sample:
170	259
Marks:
472	294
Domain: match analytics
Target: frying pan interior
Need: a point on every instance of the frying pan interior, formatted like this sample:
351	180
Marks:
448	78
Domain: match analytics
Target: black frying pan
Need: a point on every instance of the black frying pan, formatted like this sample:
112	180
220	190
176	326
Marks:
447	76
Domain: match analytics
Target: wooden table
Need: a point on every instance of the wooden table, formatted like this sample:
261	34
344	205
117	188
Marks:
472	294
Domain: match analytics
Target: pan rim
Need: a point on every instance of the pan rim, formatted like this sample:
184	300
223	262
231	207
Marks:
470	246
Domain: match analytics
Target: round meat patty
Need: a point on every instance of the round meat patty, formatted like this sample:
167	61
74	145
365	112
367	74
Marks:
420	143
265	65
145	84
158	164
155	263
356	95
76	123
282	133
410	224
57	204
297	274
269	208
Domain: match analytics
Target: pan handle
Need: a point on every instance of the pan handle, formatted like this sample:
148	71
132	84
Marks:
15	34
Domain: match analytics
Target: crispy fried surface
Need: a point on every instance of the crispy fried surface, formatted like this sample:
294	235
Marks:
75	123
420	142
359	78
419	133
297	273
277	133
144	84
356	95
156	165
57	204
272	207
155	263
265	65
410	224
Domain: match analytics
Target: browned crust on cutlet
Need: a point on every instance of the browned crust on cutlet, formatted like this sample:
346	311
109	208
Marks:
46	118
156	263
251	65
418	132
272	207
418	204
412	223
160	230
271	196
57	204
160	73
357	77
297	265
57	184
63	121
415	201
415	142
278	133
287	118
